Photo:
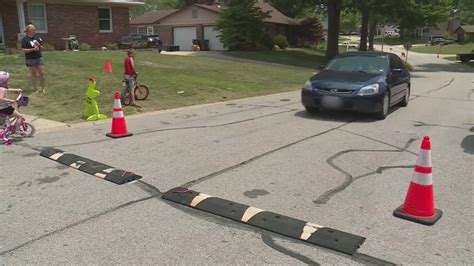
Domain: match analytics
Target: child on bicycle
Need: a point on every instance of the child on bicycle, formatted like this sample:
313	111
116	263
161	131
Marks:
130	75
5	103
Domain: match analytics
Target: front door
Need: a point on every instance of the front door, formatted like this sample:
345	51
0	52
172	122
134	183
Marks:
2	37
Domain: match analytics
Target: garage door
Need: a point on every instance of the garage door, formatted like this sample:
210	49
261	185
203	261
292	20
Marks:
214	43
184	37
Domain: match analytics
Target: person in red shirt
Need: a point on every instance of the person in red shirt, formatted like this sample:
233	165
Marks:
130	74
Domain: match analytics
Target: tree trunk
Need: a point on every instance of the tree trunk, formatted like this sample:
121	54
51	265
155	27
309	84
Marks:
334	18
364	30
372	32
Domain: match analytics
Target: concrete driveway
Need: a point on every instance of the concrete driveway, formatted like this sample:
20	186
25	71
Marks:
341	170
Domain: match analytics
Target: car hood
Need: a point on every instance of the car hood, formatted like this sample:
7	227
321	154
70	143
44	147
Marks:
328	77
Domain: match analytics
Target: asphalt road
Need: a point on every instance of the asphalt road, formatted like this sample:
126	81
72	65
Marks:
342	170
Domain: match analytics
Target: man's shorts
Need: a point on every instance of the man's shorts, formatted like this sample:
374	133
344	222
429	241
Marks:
34	62
130	81
7	111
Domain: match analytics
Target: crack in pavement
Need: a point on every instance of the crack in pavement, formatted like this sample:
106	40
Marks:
217	173
182	128
348	177
443	98
442	87
269	241
423	124
130	203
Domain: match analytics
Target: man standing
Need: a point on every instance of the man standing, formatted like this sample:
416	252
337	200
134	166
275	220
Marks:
130	75
31	45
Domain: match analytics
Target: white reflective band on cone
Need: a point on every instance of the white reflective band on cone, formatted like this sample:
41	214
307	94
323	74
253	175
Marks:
424	158
118	114
249	213
117	104
422	179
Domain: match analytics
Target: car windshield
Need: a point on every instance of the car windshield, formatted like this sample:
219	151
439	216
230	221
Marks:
364	64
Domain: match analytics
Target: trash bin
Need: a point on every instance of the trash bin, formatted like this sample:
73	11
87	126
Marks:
205	45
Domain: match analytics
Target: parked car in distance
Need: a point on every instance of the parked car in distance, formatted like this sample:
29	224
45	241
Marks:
440	41
140	40
368	82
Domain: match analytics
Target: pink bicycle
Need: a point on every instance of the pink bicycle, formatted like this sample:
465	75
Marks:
25	129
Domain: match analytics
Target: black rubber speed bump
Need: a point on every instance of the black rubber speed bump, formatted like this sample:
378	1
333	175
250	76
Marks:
284	225
96	169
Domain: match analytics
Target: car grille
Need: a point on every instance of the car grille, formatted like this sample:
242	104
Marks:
335	91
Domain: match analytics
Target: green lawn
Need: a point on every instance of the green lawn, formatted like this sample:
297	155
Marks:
399	41
453	58
447	49
301	57
203	80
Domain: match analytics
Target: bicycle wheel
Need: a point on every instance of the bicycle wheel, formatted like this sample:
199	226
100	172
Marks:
27	130
125	99
141	92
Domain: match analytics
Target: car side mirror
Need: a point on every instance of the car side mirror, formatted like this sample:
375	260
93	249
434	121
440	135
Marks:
320	67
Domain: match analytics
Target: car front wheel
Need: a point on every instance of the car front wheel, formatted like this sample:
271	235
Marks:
404	103
385	107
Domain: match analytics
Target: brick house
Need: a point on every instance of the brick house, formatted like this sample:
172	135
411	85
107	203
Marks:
465	33
197	21
95	22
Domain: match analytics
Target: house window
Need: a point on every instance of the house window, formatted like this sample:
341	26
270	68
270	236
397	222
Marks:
105	19
37	16
150	30
195	13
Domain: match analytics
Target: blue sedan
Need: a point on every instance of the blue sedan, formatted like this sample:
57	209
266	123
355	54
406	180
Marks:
368	82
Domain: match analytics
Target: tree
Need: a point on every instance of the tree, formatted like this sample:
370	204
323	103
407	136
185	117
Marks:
293	8
464	9
310	31
241	25
152	5
350	21
334	8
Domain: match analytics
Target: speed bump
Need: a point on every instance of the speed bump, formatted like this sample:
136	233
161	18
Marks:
312	233
96	169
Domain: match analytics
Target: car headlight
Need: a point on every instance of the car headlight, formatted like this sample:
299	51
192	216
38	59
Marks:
369	90
150	39
308	86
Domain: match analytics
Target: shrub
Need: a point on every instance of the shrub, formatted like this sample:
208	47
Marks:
84	47
112	46
281	41
48	47
267	42
138	45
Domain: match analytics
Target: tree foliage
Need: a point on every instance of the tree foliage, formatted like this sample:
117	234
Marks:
241	25
464	9
153	5
310	30
293	8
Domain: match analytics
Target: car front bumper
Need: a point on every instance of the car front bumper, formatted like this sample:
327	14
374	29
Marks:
356	103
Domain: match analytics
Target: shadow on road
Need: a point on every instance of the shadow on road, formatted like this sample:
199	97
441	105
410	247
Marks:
343	116
337	116
468	143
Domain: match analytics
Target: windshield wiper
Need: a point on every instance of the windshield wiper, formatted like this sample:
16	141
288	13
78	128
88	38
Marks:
361	71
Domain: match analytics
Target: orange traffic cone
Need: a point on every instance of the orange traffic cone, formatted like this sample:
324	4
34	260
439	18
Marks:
119	128
108	66
419	202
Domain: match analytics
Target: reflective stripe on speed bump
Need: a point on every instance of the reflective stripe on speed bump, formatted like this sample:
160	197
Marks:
284	225
96	169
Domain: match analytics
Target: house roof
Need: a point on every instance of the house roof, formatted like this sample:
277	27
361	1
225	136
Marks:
275	15
466	28
151	17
